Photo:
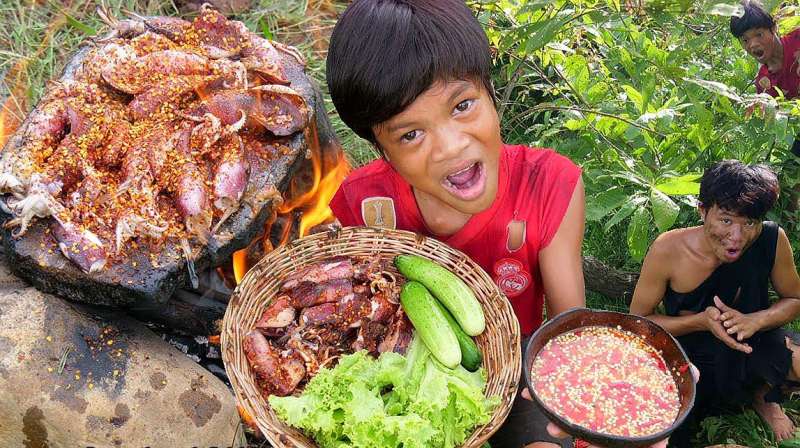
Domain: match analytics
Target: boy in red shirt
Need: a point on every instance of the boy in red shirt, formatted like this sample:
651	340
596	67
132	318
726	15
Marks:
779	56
412	77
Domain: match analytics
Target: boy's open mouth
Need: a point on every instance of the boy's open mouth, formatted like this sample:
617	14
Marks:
467	183
758	54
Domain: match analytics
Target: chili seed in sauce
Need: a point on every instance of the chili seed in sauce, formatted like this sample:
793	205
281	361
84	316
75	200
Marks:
608	380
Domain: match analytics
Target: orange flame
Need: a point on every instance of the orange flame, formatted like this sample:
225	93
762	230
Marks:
247	419
314	202
14	108
319	212
240	265
327	175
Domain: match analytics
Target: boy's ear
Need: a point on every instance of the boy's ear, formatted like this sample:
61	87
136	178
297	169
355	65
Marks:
381	151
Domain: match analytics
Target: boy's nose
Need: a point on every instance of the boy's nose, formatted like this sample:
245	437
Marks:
451	143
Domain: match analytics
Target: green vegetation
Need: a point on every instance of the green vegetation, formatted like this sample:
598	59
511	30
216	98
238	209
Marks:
642	97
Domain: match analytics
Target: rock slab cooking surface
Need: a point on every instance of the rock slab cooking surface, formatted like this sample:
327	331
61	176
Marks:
135	283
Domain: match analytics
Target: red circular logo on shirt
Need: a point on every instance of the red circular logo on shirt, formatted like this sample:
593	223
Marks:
507	266
514	283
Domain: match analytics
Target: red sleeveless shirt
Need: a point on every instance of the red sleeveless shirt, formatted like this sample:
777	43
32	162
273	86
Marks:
534	187
788	77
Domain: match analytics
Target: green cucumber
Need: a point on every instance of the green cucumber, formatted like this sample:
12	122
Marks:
470	355
454	294
431	324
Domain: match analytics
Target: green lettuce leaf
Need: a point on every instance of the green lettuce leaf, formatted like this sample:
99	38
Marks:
395	401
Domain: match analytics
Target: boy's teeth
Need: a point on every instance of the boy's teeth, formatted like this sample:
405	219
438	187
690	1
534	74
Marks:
461	171
462	176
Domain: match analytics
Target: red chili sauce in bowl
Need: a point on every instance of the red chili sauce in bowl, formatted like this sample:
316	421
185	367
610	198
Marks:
607	380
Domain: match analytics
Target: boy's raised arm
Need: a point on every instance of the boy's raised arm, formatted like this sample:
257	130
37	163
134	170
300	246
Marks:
560	262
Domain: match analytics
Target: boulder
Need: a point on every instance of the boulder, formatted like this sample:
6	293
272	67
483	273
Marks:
80	376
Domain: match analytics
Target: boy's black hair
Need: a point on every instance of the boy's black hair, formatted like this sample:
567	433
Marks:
754	17
385	53
745	190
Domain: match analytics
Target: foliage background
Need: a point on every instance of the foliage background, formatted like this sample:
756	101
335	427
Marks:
644	98
642	94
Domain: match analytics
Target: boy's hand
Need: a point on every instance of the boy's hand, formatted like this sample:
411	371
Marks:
714	325
738	323
557	432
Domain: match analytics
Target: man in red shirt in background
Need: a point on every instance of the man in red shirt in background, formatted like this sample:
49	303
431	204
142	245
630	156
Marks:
779	56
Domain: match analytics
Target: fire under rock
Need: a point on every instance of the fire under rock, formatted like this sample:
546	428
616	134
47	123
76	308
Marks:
143	282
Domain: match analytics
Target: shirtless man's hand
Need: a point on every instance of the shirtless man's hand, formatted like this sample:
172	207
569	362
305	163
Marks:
714	325
740	324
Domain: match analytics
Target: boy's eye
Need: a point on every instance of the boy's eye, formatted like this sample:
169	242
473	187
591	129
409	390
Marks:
409	136
750	223
464	105
726	221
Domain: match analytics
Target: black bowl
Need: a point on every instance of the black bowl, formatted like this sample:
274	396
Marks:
657	337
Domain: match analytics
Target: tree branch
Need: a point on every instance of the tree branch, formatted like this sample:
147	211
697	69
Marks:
612	283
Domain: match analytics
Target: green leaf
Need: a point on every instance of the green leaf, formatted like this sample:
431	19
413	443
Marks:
574	125
665	210
638	235
686	184
541	33
626	210
577	70
789	443
265	31
634	96
75	23
601	204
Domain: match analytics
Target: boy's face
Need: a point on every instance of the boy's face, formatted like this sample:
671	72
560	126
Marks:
760	43
728	233
446	144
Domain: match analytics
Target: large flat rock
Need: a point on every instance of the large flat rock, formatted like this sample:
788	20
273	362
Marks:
78	376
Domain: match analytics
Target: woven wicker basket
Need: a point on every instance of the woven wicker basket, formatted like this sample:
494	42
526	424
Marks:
499	343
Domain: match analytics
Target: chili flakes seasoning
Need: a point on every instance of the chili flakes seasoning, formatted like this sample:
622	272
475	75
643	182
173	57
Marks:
607	380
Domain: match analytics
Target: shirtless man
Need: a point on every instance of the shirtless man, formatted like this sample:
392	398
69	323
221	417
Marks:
714	281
